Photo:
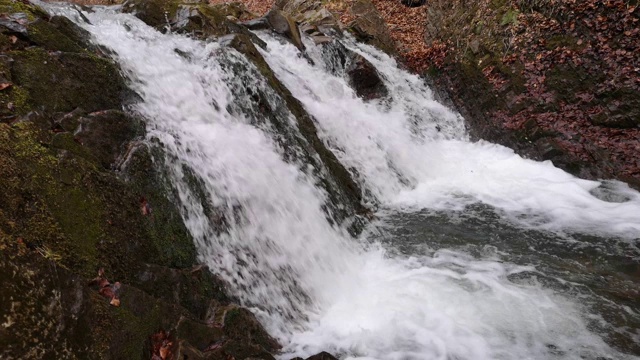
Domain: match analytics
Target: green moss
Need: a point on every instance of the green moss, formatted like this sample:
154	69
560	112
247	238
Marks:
66	141
156	13
81	80
45	34
12	6
510	17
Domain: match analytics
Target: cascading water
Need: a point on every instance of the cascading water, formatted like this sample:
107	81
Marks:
313	286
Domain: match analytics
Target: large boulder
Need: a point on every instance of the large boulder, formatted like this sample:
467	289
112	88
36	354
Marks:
359	72
364	78
370	28
285	26
321	356
196	19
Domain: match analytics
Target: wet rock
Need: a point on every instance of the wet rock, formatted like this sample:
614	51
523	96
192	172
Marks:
241	325
236	10
364	78
336	179
44	308
142	170
196	19
155	13
194	288
550	148
321	356
285	26
360	73
370	28
106	134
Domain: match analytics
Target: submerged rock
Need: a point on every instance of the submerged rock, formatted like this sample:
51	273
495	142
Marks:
364	78
360	73
321	356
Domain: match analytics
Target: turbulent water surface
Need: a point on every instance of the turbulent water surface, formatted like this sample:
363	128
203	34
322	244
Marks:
476	253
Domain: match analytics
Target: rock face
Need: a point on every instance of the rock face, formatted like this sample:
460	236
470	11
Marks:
284	25
370	28
313	17
365	79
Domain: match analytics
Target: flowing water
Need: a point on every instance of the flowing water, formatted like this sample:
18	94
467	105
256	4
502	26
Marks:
476	253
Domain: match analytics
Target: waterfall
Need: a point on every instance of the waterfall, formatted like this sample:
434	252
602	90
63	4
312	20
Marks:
258	215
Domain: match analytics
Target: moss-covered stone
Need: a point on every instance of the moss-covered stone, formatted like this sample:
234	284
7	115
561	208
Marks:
143	171
64	214
46	34
79	80
156	13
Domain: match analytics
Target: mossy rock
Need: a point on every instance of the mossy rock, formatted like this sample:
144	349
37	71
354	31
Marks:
155	13
106	133
43	307
144	173
194	289
46	33
79	80
196	19
240	324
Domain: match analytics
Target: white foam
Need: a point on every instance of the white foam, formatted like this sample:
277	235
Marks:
408	163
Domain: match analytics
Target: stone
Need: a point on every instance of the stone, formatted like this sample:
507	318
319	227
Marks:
370	28
236	10
282	24
36	72
550	148
364	78
106	134
155	13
